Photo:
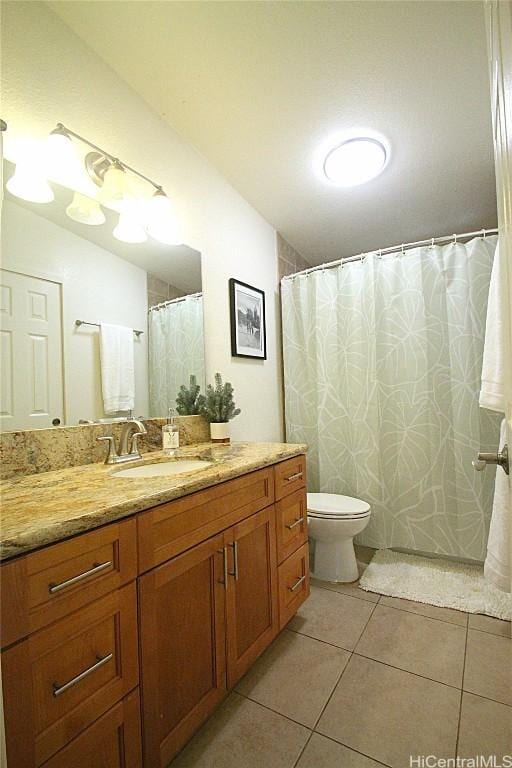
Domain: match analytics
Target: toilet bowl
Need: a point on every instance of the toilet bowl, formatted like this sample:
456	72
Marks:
333	521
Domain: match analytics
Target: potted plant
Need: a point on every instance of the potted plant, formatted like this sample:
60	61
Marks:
189	402
219	408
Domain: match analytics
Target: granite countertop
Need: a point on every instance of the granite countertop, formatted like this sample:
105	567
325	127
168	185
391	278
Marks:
45	508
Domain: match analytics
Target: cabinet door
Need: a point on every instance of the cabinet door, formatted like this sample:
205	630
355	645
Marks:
182	631
252	592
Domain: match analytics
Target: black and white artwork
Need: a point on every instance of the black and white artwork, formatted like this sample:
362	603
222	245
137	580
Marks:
248	330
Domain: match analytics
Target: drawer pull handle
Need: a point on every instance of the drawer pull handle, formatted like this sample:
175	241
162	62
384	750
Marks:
97	567
293	525
100	661
297	584
296	476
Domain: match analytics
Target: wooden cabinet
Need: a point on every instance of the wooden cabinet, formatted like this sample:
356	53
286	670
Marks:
291	524
252	608
196	588
290	476
182	628
169	529
55	581
293	584
113	741
62	678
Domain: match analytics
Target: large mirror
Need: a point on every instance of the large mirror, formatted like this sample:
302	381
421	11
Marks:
68	293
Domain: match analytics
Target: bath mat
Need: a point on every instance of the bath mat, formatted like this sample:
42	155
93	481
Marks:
436	582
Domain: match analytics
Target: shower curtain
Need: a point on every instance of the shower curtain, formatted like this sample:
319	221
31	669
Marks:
382	362
176	350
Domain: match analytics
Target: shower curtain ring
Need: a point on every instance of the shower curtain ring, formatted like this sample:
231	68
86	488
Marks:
432	243
455	239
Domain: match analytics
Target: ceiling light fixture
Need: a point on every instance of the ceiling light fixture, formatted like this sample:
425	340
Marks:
355	161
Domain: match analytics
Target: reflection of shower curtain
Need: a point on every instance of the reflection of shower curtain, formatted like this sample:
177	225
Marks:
382	371
176	350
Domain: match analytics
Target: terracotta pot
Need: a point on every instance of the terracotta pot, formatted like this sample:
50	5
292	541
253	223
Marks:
219	433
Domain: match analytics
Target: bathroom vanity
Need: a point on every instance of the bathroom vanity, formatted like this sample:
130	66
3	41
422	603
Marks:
130	607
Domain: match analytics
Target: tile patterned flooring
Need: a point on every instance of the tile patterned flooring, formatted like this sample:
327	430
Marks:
359	680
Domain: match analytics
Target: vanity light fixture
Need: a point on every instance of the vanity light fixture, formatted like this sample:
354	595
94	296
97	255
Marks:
111	187
85	210
355	161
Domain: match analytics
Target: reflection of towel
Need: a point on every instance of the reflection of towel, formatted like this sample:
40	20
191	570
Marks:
117	368
491	394
497	563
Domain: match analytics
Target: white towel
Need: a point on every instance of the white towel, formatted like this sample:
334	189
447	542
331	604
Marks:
492	391
497	561
117	368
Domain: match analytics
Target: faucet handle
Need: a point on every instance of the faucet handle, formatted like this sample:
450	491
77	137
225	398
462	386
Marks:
134	448
111	454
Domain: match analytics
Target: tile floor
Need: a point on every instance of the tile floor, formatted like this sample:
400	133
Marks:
359	680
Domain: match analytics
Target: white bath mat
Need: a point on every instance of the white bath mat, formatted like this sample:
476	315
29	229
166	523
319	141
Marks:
436	582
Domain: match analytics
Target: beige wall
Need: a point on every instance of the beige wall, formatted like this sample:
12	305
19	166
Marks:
50	75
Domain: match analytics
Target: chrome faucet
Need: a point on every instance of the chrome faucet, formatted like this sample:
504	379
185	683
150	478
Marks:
128	449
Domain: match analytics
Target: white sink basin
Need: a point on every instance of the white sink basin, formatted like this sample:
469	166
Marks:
164	468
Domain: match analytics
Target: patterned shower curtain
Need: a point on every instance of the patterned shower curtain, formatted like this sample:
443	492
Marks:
382	363
176	350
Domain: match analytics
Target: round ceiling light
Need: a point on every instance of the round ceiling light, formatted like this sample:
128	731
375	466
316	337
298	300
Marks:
355	161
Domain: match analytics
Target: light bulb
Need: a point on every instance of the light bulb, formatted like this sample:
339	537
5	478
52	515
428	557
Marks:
162	223
159	206
114	185
61	155
28	183
129	230
85	210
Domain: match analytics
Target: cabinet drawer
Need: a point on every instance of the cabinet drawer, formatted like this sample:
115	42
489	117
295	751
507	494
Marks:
291	524
290	475
62	678
46	585
169	529
293	584
113	741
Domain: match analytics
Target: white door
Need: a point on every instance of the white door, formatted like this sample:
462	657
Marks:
499	38
31	390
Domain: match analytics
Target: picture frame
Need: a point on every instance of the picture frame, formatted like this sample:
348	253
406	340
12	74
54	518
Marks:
248	321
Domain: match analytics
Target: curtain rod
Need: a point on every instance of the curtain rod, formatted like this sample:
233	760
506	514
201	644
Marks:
175	301
393	249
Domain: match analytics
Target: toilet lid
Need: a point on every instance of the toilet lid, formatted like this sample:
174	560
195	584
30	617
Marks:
333	505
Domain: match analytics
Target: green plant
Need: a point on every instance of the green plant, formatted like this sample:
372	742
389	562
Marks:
189	402
219	406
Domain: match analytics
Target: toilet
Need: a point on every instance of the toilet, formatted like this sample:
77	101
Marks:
333	521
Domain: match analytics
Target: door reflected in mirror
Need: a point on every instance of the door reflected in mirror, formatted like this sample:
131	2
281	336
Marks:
55	271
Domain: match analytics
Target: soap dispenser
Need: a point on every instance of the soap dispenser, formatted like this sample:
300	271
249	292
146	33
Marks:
170	434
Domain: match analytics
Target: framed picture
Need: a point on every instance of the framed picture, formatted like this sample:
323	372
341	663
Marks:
248	328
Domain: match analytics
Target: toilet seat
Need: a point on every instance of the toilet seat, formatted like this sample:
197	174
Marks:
332	506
